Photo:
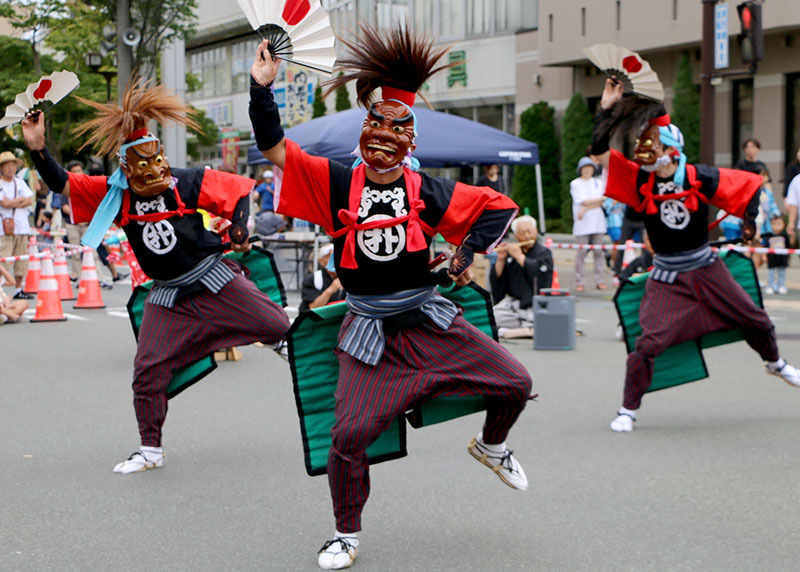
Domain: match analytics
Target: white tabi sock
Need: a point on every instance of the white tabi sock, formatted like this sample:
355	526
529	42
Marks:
776	365
152	453
498	448
351	537
625	411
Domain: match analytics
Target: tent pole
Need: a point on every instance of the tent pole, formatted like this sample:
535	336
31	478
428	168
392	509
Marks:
540	198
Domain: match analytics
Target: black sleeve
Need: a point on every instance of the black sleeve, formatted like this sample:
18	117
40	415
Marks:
539	267
601	136
709	179
264	116
53	174
238	231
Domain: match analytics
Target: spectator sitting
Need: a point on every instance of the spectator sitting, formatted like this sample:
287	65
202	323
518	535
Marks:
10	310
521	270
322	287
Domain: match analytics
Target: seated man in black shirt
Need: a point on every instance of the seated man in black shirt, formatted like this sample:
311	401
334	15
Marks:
521	270
322	287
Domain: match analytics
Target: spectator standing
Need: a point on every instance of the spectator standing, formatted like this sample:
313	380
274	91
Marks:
792	170
589	226
322	287
16	200
767	211
266	192
522	268
491	178
777	263
750	161
792	203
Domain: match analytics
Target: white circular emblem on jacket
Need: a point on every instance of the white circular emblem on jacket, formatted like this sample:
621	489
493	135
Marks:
674	214
381	244
159	236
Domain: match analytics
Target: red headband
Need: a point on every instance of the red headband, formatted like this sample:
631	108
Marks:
406	97
662	121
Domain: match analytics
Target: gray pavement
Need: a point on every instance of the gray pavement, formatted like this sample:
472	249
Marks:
707	481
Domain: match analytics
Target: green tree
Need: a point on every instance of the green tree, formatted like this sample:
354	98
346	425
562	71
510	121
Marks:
576	135
537	124
319	103
342	97
206	136
686	108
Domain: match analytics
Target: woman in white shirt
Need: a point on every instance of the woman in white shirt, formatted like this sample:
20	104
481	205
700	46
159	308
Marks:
589	225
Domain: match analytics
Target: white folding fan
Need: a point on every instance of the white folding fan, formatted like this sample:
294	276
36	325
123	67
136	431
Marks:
299	31
40	95
628	68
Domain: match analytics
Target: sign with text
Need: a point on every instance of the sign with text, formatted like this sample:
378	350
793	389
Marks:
721	36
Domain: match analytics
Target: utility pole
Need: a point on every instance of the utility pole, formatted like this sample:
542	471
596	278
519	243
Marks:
124	52
706	87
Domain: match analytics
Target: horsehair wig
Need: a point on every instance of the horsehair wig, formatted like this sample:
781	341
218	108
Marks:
630	115
140	104
394	58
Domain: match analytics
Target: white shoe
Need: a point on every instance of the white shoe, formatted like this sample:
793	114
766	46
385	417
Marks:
788	373
769	290
337	554
623	423
783	290
505	466
619	333
138	462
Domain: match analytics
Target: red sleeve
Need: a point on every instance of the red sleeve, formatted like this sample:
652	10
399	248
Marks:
220	191
305	188
735	190
622	180
85	194
467	205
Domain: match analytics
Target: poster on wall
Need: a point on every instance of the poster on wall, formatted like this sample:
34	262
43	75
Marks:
230	149
295	95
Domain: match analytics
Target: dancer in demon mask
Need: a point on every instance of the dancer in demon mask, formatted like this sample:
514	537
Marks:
690	292
400	343
199	302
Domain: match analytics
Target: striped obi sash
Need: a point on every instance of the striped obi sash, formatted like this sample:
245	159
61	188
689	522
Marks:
667	266
364	339
211	272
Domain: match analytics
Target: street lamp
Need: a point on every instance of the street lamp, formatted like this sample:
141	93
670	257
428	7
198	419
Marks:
94	61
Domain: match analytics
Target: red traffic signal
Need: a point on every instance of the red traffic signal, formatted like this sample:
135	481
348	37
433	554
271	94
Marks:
751	39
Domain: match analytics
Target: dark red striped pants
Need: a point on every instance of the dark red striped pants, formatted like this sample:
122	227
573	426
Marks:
699	302
170	338
417	364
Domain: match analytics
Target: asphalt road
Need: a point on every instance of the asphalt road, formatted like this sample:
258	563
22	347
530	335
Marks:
707	481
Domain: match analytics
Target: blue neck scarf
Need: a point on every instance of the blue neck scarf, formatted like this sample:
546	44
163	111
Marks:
109	207
669	140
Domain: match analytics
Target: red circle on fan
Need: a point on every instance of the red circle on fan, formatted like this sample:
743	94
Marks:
631	64
44	87
295	10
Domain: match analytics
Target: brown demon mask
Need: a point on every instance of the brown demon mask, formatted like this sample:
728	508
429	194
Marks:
387	135
648	147
146	169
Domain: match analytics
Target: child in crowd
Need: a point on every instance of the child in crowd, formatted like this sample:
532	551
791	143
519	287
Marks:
10	310
777	263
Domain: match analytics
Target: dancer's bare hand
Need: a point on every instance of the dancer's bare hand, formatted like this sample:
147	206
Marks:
612	93
265	67
464	279
33	131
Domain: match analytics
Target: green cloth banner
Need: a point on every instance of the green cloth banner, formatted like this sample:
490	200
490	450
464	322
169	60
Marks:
263	272
315	370
683	363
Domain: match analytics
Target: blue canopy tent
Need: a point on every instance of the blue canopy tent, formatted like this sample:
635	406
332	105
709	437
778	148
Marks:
444	140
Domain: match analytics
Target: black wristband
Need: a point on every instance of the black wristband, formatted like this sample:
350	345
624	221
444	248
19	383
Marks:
264	116
53	174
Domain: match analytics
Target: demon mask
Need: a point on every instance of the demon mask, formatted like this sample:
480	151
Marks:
147	169
387	135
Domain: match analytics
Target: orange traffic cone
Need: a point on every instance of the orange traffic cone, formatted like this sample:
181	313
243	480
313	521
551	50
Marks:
62	274
629	254
137	274
34	268
89	289
48	302
556	283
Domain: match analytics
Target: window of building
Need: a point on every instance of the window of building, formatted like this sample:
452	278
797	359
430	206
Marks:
241	59
792	117
342	14
549	27
479	15
619	15
583	21
210	66
451	18
743	101
423	16
516	14
389	11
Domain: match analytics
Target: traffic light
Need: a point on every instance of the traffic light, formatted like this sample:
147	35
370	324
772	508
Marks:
751	40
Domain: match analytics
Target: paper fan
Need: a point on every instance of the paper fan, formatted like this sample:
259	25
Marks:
299	31
627	67
41	96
